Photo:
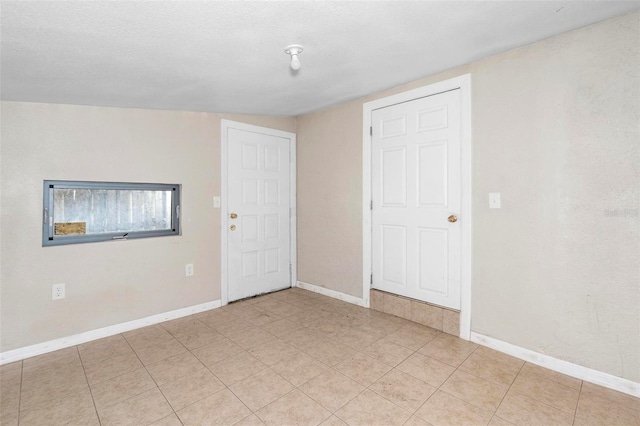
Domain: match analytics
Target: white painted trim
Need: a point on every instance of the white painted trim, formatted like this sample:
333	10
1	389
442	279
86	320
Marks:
225	125
87	336
332	293
583	373
464	84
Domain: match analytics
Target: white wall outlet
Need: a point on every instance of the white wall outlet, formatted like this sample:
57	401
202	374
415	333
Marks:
57	291
188	270
216	202
494	200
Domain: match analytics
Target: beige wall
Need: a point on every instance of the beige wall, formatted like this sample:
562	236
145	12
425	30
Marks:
106	283
556	131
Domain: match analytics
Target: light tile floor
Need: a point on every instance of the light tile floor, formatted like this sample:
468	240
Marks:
296	358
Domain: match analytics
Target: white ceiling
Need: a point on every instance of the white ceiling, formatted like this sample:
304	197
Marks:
221	56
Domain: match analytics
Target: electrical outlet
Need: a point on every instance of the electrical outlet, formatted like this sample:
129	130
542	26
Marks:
57	291
188	270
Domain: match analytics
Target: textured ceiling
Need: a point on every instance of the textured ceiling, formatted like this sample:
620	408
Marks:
228	56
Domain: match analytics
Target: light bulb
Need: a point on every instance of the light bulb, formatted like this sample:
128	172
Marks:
295	62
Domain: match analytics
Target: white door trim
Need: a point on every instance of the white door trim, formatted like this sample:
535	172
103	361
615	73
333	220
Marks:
463	83
224	213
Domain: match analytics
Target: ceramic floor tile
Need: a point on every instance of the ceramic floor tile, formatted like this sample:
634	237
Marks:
403	390
102	349
449	349
75	407
363	369
221	350
251	420
474	390
120	388
592	412
444	409
198	340
491	369
332	389
281	327
112	367
329	352
191	388
250	338
429	370
333	421
550	393
388	352
221	408
369	408
274	351
413	336
417	421
521	410
173	368
529	369
147	336
159	351
170	420
59	356
185	326
142	409
497	421
295	408
299	368
261	389
237	367
599	394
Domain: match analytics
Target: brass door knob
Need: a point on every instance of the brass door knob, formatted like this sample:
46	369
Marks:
232	227
453	218
233	215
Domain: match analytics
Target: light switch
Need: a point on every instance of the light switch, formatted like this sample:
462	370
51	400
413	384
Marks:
216	202
494	200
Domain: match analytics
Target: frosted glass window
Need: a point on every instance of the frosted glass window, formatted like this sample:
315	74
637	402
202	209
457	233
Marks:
79	212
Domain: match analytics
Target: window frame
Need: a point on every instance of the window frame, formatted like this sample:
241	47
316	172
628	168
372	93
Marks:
48	232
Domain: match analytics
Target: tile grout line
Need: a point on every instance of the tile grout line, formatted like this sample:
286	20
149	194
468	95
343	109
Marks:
20	391
84	370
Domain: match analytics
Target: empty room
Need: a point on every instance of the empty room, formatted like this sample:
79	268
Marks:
231	213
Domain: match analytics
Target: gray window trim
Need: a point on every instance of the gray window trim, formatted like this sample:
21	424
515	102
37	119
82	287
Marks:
49	239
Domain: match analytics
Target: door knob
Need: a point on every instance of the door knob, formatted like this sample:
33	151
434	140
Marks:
453	218
232	227
233	215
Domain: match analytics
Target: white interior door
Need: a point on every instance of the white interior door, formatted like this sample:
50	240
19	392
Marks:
416	191
258	212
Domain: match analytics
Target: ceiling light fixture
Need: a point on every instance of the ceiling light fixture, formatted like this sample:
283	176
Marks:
294	50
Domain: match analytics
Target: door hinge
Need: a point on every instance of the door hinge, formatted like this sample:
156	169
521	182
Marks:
370	130
371	205
371	279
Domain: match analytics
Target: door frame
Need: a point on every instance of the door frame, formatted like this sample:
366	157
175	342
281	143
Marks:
225	125
463	83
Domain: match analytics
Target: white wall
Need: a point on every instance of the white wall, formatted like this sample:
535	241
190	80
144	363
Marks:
556	131
110	282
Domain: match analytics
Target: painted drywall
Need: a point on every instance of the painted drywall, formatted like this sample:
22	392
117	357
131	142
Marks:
113	282
556	132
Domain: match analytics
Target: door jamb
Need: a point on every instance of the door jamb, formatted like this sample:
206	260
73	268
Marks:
463	83
224	213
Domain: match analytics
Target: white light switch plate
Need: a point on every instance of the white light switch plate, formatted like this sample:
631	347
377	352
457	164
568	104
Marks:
494	200
216	202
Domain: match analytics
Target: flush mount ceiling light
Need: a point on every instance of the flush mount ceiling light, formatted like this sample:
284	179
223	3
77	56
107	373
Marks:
294	50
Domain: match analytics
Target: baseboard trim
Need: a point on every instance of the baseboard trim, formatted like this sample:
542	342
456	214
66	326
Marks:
583	373
87	336
334	294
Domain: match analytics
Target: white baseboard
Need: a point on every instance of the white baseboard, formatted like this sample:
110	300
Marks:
583	373
87	336
335	294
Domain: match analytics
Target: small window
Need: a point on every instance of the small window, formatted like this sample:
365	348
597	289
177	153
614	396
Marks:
85	212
